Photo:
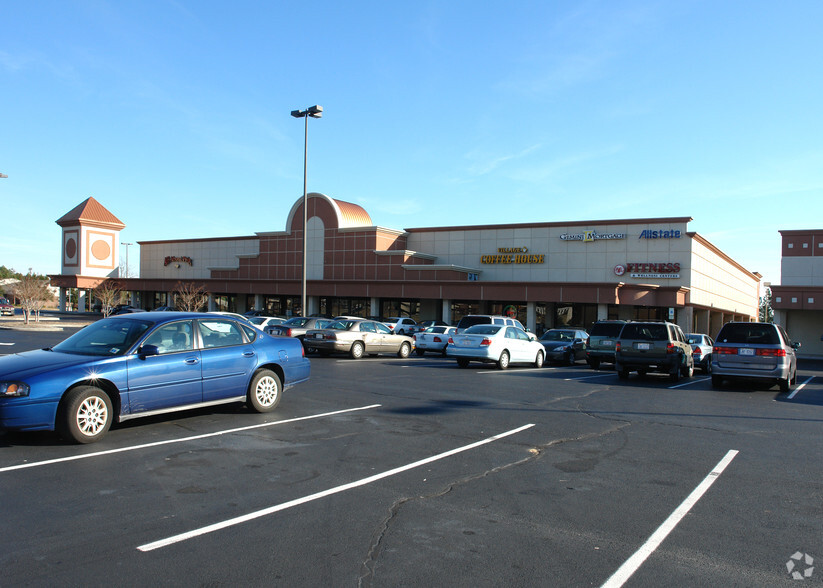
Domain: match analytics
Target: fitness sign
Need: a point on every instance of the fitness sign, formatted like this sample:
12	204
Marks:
665	270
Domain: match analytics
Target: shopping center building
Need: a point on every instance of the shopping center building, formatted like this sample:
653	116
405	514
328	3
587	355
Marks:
798	300
547	274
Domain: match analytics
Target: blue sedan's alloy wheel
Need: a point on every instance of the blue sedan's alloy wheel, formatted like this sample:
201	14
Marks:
265	391
87	414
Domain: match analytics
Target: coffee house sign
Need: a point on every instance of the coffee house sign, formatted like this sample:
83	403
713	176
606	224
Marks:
506	255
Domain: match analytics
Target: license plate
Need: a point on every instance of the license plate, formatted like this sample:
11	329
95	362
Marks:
318	336
644	346
745	351
608	343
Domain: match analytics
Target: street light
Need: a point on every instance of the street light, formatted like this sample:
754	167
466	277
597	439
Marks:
127	256
313	112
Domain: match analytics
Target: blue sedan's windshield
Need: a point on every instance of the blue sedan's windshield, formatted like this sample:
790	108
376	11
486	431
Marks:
107	337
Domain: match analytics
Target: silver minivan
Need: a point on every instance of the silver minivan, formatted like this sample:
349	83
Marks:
760	351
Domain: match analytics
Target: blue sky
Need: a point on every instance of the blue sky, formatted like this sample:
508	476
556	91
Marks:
175	116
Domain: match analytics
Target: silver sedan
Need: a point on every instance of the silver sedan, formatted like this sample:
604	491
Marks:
356	337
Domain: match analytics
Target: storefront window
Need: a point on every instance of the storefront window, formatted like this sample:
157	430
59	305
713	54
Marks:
409	308
461	308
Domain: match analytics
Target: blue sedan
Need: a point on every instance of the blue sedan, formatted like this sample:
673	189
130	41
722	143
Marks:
144	364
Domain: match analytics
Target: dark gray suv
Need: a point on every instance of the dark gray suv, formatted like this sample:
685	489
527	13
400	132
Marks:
760	351
653	347
600	344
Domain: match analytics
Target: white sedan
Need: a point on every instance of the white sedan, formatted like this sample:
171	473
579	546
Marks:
496	344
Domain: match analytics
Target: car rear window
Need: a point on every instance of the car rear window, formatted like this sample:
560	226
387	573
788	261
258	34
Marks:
469	321
606	329
645	332
484	329
749	333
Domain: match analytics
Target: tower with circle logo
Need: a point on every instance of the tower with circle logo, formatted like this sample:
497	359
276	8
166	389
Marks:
91	241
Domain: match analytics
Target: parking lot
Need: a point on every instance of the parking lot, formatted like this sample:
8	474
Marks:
387	471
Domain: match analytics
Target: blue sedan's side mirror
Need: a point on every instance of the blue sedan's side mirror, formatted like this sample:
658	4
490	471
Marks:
147	350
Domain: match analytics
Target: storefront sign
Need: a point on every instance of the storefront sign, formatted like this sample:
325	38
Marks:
589	236
671	234
666	270
513	255
169	260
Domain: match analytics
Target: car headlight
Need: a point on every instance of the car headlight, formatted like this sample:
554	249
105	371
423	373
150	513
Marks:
11	389
562	348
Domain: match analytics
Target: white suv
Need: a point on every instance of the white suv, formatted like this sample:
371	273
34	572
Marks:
400	325
487	319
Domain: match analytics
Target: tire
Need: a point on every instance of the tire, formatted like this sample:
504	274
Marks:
503	362
86	415
265	391
570	359
793	381
462	362
356	351
641	373
404	351
594	363
538	361
688	370
708	369
717	382
785	385
623	373
420	352
675	375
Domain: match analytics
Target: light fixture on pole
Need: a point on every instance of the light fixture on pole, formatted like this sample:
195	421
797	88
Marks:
313	112
127	257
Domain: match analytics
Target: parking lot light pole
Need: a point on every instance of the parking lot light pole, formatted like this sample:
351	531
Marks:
313	112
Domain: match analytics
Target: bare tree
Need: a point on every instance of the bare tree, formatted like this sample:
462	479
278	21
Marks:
33	293
189	296
109	293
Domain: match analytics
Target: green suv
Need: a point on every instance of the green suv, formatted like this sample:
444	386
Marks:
600	344
653	347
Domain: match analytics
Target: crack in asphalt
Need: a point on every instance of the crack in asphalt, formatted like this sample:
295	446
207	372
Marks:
368	566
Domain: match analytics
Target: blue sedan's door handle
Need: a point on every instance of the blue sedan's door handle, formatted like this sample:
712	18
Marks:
192	361
248	354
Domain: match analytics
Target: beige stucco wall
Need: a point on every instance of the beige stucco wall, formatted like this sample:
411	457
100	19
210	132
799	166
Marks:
564	260
718	283
205	254
801	271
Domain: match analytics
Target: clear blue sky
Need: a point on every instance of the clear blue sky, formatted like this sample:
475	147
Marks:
175	115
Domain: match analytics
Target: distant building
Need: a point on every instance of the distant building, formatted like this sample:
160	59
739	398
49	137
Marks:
546	274
798	299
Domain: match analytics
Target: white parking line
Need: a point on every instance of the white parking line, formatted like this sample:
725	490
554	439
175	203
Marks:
689	383
652	543
285	505
184	439
800	387
589	377
517	370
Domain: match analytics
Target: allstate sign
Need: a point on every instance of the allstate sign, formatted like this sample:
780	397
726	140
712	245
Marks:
655	234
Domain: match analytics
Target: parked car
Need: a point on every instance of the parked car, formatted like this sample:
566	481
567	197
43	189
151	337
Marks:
600	344
499	344
433	339
402	325
423	325
6	307
756	351
487	319
263	322
356	337
135	365
298	326
234	315
702	346
653	347
124	309
564	345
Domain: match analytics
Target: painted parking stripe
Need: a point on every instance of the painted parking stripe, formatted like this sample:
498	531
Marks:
631	565
689	383
589	377
183	440
800	387
286	505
